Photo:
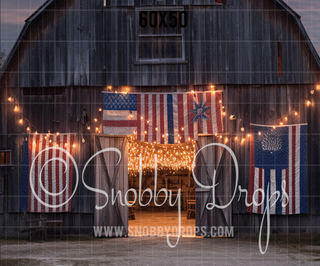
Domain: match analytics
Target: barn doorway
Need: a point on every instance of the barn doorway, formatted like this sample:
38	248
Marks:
172	181
173	164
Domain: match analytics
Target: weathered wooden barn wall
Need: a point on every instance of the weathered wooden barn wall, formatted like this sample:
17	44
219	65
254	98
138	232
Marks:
73	49
269	105
79	42
54	110
263	104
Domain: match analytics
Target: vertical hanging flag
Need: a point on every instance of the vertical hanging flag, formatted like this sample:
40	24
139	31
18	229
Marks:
278	160
162	117
47	171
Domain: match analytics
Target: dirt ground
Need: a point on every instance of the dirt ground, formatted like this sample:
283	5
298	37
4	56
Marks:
300	249
86	250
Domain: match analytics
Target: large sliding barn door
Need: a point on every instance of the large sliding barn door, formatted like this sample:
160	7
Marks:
215	222
108	175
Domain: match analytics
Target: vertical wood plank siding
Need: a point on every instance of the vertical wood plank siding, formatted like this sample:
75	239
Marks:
112	214
81	43
81	47
251	104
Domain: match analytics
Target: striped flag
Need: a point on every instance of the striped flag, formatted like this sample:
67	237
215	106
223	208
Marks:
47	172
162	117
278	160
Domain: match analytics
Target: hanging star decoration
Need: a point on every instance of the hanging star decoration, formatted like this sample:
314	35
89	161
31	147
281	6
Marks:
200	112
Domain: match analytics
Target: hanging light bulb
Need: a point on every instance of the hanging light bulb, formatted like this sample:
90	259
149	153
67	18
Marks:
16	108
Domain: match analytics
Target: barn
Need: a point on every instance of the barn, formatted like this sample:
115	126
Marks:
252	57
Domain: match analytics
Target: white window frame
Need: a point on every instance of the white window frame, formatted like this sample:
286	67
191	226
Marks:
178	60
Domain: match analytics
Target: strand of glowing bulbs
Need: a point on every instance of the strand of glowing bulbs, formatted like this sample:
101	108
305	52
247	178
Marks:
281	120
169	157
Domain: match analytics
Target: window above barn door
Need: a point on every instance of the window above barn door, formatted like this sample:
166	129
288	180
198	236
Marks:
160	35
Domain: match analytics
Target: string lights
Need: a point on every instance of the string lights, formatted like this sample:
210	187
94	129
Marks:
96	127
170	157
31	128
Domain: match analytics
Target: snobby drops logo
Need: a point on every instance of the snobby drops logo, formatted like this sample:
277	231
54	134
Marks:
161	231
209	206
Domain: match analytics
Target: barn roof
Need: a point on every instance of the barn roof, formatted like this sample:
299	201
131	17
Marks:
303	30
47	3
22	33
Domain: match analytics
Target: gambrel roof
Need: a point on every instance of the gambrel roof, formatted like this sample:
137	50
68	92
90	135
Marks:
225	68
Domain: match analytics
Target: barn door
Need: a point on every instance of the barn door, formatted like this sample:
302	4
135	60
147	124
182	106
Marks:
215	222
113	218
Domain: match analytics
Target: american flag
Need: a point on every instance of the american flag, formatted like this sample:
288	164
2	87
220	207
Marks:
162	117
278	159
52	169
